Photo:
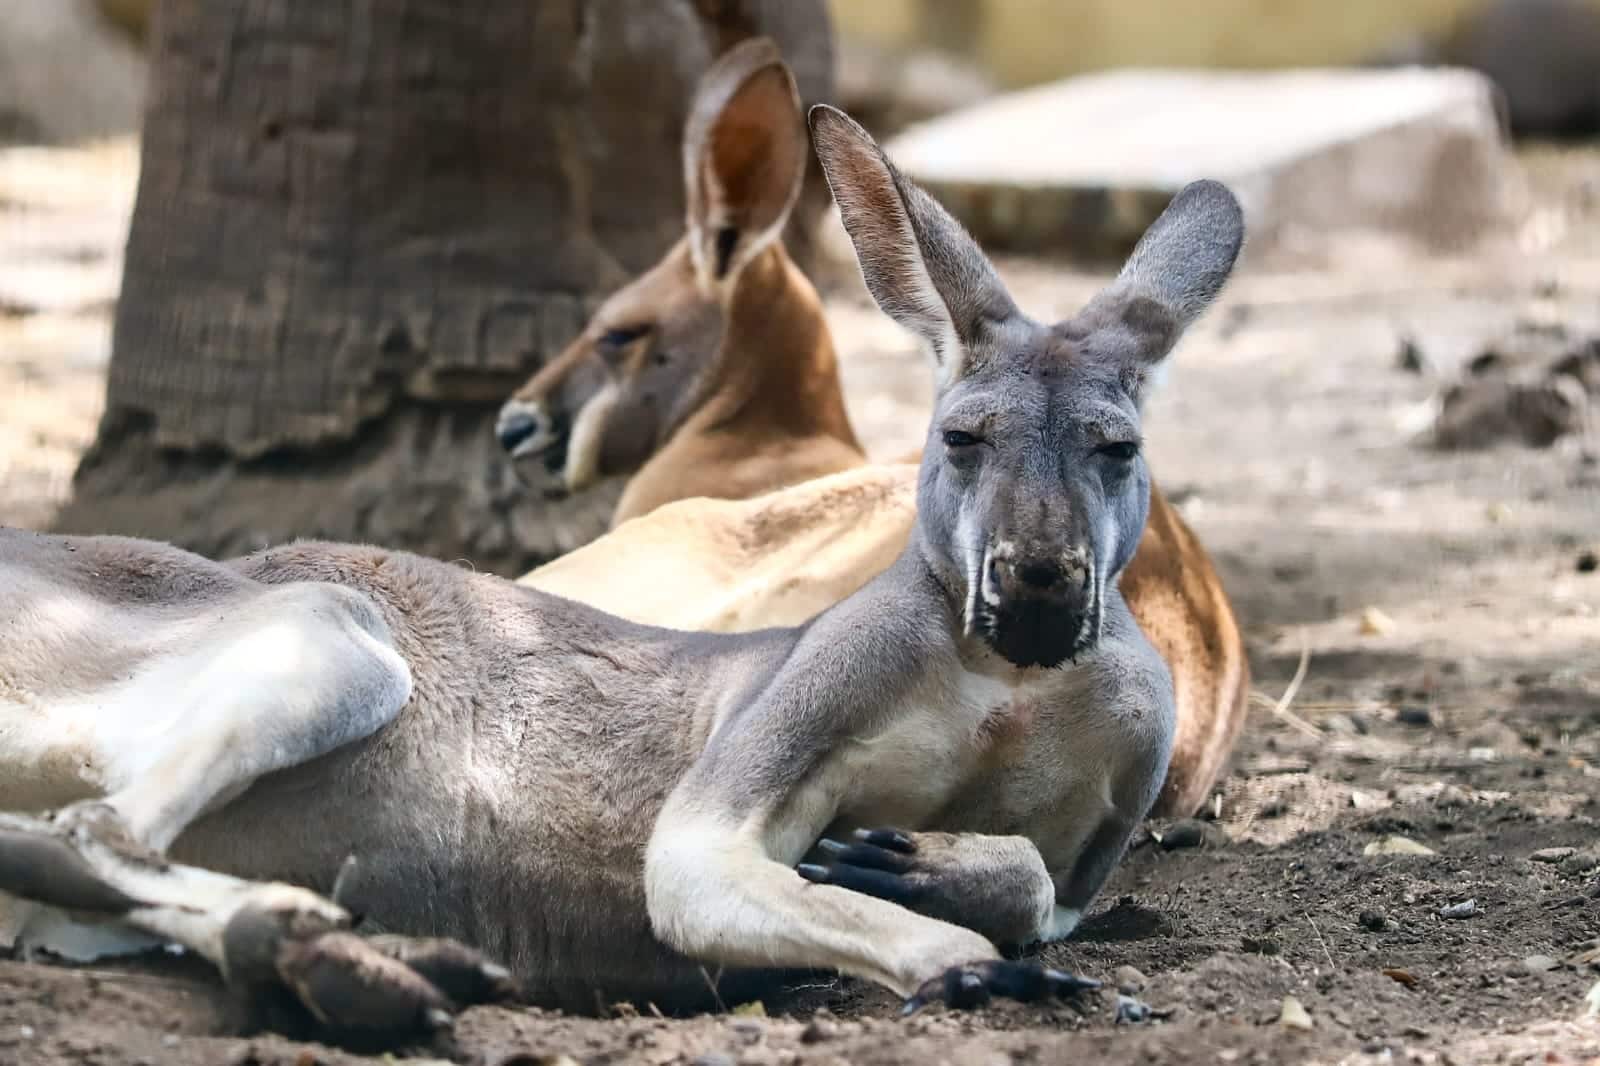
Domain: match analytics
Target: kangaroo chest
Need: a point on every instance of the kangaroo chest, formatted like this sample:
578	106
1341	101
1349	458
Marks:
931	749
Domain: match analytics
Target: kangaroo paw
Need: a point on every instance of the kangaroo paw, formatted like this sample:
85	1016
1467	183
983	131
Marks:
975	984
997	886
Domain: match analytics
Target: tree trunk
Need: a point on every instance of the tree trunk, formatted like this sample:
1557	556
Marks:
359	225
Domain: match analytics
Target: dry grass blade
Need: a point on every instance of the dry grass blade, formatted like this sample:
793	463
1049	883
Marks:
1280	706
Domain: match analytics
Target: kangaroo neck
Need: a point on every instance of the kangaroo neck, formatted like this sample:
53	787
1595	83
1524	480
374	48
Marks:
776	373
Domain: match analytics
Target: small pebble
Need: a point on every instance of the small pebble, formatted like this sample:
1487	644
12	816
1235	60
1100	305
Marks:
1373	921
170	1040
1465	909
715	1058
1539	964
1552	854
25	1032
1588	562
1131	1011
1193	834
1260	945
1129	980
1362	800
1409	357
1397	845
1374	623
818	1031
1293	1015
1414	715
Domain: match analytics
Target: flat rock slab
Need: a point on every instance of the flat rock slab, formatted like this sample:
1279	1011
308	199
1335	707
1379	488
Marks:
1084	165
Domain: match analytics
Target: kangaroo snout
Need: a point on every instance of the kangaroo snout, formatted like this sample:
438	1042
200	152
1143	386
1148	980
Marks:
1037	607
526	430
517	425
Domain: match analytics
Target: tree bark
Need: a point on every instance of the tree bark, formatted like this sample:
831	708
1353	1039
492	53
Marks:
359	225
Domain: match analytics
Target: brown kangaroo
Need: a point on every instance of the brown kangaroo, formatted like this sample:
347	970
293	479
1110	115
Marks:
715	387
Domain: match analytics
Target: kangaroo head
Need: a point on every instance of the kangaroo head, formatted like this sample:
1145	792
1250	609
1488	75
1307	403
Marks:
1033	492
607	402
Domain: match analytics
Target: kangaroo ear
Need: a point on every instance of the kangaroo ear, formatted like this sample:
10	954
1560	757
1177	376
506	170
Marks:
744	155
919	264
1173	275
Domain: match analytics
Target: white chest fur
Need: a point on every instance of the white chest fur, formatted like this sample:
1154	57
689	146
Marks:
930	747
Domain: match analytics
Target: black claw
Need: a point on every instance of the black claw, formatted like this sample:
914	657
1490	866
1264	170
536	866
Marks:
879	883
1069	984
812	872
832	847
461	973
880	858
893	839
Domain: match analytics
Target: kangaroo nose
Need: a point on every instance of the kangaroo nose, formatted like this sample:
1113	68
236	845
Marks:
1045	575
1041	575
515	426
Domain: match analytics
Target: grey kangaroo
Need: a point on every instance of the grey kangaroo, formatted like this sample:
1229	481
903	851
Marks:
611	808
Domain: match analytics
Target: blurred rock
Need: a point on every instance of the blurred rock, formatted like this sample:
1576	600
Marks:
66	74
1086	164
1543	55
1397	845
1193	833
1130	981
1375	623
1490	409
1293	1015
1410	357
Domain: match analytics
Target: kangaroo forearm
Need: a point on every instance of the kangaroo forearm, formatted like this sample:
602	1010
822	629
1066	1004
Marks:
720	900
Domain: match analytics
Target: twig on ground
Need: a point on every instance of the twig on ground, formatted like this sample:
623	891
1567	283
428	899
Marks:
1331	964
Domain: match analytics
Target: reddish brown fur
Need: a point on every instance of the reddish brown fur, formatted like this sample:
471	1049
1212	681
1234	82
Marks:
774	413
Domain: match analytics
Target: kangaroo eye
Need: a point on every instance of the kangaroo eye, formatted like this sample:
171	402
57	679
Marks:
955	438
621	338
1123	451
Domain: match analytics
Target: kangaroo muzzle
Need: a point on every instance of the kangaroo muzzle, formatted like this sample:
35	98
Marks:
1037	607
533	438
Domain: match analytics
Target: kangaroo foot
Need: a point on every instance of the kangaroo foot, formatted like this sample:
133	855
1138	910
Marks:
265	937
975	984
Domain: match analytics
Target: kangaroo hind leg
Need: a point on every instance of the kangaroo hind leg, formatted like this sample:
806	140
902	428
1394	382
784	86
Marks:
274	941
204	701
299	671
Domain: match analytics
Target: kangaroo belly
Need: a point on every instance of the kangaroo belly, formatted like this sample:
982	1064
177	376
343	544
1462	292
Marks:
536	858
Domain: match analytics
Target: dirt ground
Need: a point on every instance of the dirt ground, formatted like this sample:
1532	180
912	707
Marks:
1442	608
